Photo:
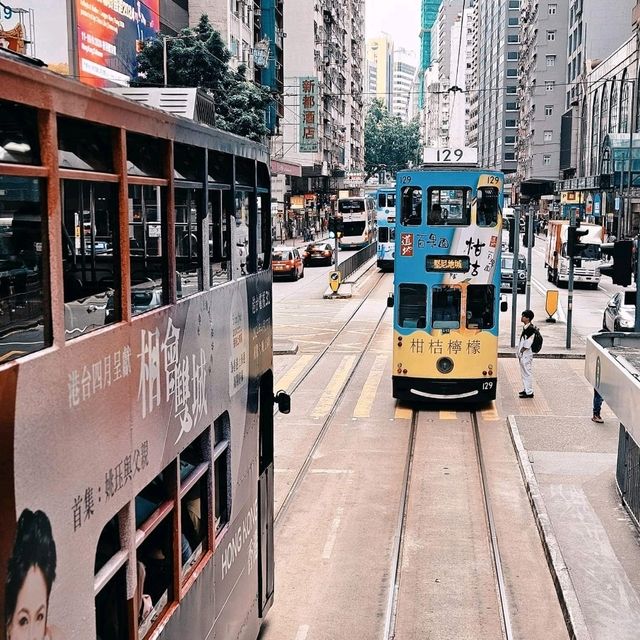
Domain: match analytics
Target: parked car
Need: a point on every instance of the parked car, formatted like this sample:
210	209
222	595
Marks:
506	281
287	261
620	312
318	253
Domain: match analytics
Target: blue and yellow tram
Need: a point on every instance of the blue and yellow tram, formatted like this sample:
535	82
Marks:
447	285
385	199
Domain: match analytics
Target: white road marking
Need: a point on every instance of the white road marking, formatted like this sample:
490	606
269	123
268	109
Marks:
331	471
370	389
303	631
333	534
332	390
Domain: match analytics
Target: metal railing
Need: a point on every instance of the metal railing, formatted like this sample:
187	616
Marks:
354	262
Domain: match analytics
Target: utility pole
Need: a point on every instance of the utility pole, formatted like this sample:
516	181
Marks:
572	223
514	282
164	59
636	324
529	258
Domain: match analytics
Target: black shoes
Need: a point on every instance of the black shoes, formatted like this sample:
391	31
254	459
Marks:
523	394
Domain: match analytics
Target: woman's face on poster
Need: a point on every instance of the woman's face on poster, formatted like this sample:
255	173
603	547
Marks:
29	620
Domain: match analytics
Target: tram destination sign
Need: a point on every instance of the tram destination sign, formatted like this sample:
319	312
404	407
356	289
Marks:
467	156
448	264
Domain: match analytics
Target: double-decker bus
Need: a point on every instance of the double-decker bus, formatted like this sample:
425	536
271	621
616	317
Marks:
359	221
136	413
447	284
385	200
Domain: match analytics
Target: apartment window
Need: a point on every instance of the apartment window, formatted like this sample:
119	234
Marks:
512	89
548	136
548	109
512	73
551	36
513	38
549	85
510	123
546	159
551	61
512	106
509	139
512	55
514	4
553	9
509	155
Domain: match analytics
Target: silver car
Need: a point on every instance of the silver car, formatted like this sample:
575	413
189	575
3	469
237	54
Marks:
620	312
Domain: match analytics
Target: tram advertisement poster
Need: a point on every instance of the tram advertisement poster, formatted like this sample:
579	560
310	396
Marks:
108	33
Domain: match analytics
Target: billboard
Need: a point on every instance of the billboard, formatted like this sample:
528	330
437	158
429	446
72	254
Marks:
309	134
108	33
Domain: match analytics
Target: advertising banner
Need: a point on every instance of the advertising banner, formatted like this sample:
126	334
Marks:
108	35
309	139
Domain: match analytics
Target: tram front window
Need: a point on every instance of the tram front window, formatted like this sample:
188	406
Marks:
480	306
411	213
449	206
412	310
487	206
446	307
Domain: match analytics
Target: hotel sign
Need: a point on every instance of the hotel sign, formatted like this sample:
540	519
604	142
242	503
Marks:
309	139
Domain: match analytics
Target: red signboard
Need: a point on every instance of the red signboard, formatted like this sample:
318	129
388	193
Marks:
406	245
108	32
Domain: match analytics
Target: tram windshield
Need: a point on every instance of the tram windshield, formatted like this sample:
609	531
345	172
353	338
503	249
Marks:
448	206
446	307
480	306
386	200
488	206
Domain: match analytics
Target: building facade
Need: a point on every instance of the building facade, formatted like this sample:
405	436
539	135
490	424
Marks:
380	60
405	65
428	15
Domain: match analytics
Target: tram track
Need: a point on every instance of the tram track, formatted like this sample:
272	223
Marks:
395	571
329	419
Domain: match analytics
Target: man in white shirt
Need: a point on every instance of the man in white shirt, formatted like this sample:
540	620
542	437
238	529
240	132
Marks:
525	354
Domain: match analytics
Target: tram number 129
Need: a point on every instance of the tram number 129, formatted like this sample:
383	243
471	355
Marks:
445	155
486	386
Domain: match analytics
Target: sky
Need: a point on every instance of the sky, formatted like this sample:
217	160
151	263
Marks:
399	18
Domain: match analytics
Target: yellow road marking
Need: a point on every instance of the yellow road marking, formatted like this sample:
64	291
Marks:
448	415
334	387
402	413
289	378
491	415
368	395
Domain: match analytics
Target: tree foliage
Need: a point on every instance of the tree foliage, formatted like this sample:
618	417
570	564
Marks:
389	144
198	57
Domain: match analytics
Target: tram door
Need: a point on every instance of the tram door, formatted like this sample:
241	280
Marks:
266	495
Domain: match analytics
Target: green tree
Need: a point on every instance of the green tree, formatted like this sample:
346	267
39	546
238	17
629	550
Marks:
389	144
198	57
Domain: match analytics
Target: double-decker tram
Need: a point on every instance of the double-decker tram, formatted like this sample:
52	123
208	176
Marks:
447	284
136	413
359	221
385	200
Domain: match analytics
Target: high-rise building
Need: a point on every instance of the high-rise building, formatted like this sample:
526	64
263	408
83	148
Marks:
540	95
428	15
380	58
498	37
405	65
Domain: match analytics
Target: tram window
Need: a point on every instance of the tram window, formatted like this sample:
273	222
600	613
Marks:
412	310
242	242
383	234
245	172
487	206
411	204
18	134
220	168
445	306
386	200
84	145
449	206
145	156
219	212
188	241
91	269
222	471
264	179
188	163
147	225
23	270
480	306
194	499
263	231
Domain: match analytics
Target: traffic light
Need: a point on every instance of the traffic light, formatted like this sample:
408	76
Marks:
525	237
574	246
621	271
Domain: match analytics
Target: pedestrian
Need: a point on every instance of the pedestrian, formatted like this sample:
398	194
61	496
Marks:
597	407
525	354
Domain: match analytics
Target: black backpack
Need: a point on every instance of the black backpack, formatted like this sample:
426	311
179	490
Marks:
536	345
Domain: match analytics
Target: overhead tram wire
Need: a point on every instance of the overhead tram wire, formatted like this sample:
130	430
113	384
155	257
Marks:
455	89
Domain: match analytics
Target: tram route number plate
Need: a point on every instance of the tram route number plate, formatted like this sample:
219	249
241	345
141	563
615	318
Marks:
406	245
449	264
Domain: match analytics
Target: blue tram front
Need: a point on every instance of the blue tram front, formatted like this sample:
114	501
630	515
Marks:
447	285
386	217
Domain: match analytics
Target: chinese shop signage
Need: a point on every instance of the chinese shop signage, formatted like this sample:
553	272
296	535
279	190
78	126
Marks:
309	142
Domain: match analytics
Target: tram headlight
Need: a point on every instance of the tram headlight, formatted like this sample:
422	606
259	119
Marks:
444	365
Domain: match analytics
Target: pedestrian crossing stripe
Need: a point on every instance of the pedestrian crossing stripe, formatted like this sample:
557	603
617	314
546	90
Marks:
287	380
402	413
370	389
491	415
333	389
448	415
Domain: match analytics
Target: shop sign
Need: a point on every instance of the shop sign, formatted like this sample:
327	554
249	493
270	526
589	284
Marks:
309	140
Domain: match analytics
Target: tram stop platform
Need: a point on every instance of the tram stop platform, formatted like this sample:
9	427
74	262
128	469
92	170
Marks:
569	465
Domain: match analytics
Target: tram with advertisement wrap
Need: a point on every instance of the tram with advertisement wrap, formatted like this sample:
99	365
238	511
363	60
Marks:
136	385
447	284
385	200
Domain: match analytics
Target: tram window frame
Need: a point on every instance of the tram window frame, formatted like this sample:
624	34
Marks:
486	318
146	268
412	299
25	301
219	225
244	245
442	217
487	207
446	322
263	229
411	213
19	140
195	478
85	145
192	229
222	480
383	234
145	156
90	256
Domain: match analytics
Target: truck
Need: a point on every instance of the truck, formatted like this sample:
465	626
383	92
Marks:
586	267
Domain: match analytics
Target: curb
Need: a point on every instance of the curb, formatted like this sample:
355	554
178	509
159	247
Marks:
285	348
569	603
545	356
